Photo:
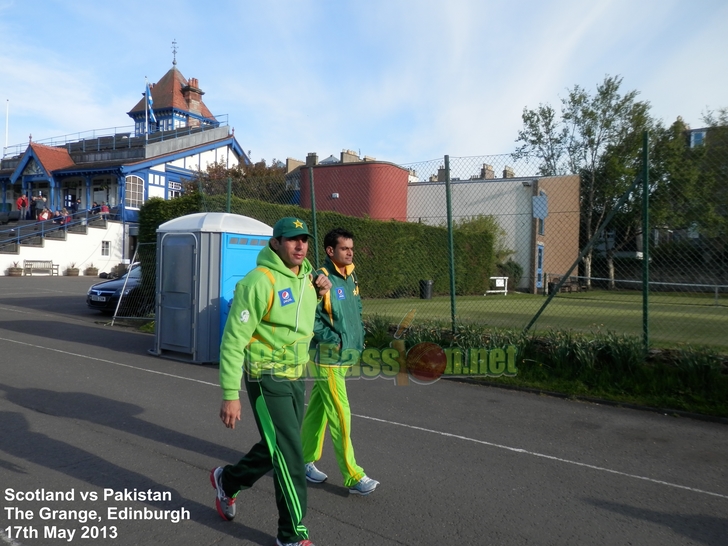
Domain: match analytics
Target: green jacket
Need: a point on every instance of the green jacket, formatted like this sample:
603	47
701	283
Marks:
270	324
339	330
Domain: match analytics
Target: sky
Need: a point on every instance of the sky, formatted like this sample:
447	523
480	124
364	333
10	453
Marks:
399	80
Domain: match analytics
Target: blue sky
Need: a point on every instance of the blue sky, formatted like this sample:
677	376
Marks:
399	80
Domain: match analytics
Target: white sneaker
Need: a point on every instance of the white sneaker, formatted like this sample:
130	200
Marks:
365	486
314	475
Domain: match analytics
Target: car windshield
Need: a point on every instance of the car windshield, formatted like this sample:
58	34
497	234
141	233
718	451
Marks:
135	273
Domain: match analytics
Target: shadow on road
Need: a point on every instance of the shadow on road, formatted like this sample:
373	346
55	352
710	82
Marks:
114	339
705	529
122	416
36	448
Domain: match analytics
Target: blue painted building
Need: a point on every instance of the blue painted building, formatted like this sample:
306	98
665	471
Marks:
174	136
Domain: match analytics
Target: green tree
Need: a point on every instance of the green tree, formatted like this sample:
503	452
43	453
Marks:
596	137
258	181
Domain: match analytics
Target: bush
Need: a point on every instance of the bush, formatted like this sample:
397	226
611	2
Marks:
512	270
387	252
603	365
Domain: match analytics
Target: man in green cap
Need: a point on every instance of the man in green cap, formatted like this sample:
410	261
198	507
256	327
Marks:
267	337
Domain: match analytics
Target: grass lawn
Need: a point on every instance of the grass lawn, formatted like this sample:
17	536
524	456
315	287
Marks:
674	319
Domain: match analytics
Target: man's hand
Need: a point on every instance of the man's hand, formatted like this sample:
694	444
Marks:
322	284
230	412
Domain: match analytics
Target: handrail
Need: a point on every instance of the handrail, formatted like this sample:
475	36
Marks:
125	130
42	227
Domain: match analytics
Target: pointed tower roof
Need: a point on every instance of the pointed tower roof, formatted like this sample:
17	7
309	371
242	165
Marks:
173	91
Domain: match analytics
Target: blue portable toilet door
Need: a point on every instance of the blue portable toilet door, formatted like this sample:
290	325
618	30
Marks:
177	292
238	258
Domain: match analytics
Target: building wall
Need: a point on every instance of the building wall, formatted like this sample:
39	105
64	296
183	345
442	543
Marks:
561	229
82	250
505	199
374	189
201	161
510	202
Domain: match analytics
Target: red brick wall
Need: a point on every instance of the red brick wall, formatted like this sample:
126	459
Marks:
374	189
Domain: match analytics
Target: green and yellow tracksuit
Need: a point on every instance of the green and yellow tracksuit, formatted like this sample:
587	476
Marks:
268	333
338	341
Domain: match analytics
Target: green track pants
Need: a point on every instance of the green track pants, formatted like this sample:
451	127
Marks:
278	410
329	404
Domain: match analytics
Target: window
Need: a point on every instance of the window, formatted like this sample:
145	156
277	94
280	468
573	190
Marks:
697	138
105	248
134	197
175	190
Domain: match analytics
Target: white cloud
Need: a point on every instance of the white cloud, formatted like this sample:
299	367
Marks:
401	80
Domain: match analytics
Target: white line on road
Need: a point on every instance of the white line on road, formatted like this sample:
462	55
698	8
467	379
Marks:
542	455
109	362
411	427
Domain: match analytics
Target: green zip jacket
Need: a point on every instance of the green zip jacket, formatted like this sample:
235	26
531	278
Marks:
339	330
270	324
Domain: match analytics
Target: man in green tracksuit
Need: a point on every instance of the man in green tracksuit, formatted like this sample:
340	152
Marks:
267	336
338	341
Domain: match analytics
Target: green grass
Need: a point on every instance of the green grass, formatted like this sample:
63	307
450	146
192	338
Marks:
674	319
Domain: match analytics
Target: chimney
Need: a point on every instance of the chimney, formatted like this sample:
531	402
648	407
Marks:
193	97
293	164
347	156
311	159
487	172
508	172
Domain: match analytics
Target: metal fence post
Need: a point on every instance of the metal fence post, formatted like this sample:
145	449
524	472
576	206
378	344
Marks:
229	193
645	242
313	219
448	198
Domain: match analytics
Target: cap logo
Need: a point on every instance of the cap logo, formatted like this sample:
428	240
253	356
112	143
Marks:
298	224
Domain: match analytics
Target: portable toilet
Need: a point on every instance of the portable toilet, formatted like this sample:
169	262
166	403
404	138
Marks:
200	259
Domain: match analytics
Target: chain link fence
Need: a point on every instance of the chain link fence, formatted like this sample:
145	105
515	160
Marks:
136	301
493	241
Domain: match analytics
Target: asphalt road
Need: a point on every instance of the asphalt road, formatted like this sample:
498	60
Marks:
87	413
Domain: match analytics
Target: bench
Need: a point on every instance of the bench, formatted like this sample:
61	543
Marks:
571	284
37	266
501	286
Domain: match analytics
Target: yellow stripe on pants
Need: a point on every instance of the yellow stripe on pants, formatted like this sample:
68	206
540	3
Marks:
329	405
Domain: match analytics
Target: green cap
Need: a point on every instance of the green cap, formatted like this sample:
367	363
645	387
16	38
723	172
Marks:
290	227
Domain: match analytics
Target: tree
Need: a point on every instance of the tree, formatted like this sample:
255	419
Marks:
598	138
257	181
545	137
689	198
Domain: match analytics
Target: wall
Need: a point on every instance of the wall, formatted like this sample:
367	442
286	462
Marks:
374	189
506	199
78	248
510	202
561	229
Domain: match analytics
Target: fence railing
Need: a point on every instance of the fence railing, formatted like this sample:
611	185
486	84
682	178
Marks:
456	222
